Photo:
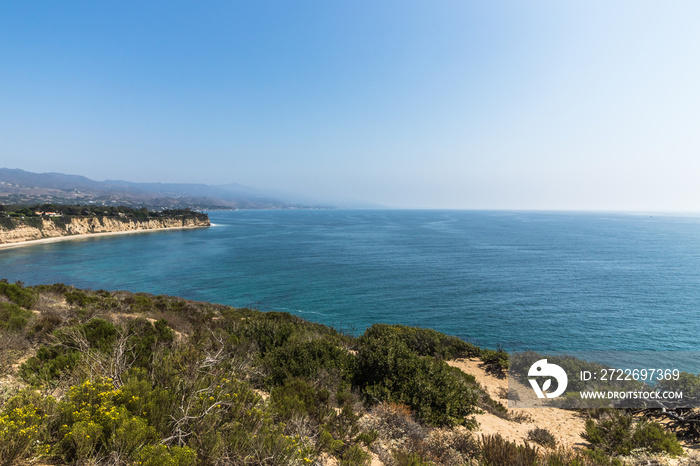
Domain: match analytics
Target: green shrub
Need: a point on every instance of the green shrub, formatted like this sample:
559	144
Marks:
687	383
160	455
145	336
600	458
496	361
270	330
80	298
100	334
298	397
326	442
387	370
59	288
21	422
367	438
141	398
497	451
343	425
613	434
139	303
312	360
425	342
355	456
344	397
248	435
652	437
19	295
95	422
617	433
13	317
219	417
49	364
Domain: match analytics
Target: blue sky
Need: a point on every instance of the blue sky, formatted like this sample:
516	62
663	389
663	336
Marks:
433	104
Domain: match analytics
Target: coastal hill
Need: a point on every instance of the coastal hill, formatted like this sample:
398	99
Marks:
23	187
100	377
42	222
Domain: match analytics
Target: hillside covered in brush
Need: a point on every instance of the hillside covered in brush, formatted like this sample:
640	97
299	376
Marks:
116	378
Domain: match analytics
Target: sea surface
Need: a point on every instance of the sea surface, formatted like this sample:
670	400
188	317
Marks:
518	280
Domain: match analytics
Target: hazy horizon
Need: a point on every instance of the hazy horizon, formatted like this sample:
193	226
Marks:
505	105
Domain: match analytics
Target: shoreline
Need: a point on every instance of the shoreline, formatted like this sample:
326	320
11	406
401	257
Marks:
58	239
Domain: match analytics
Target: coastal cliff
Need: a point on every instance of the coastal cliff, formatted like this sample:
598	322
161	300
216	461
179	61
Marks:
35	228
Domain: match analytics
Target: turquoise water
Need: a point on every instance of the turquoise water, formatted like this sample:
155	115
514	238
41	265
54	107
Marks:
543	281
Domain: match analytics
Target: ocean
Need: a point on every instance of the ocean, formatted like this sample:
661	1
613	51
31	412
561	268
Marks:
540	281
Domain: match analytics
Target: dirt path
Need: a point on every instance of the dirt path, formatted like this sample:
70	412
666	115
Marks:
565	425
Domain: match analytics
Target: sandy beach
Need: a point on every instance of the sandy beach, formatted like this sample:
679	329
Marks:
57	239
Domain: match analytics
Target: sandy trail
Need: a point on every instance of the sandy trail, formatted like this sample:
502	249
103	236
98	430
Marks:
565	425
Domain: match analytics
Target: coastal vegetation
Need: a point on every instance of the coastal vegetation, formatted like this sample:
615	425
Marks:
99	377
11	216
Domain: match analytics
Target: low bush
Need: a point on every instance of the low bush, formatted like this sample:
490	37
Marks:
53	361
18	294
299	398
496	361
80	298
44	325
687	383
618	434
161	455
407	458
497	451
144	337
652	437
425	342
21	423
274	329
139	303
570	457
49	364
99	333
394	421
542	437
141	398
355	456
318	360
446	447
13	317
388	370
94	422
598	457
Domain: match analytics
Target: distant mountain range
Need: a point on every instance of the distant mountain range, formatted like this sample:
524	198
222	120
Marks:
23	187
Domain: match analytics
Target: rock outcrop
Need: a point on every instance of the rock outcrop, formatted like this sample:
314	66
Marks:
42	227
